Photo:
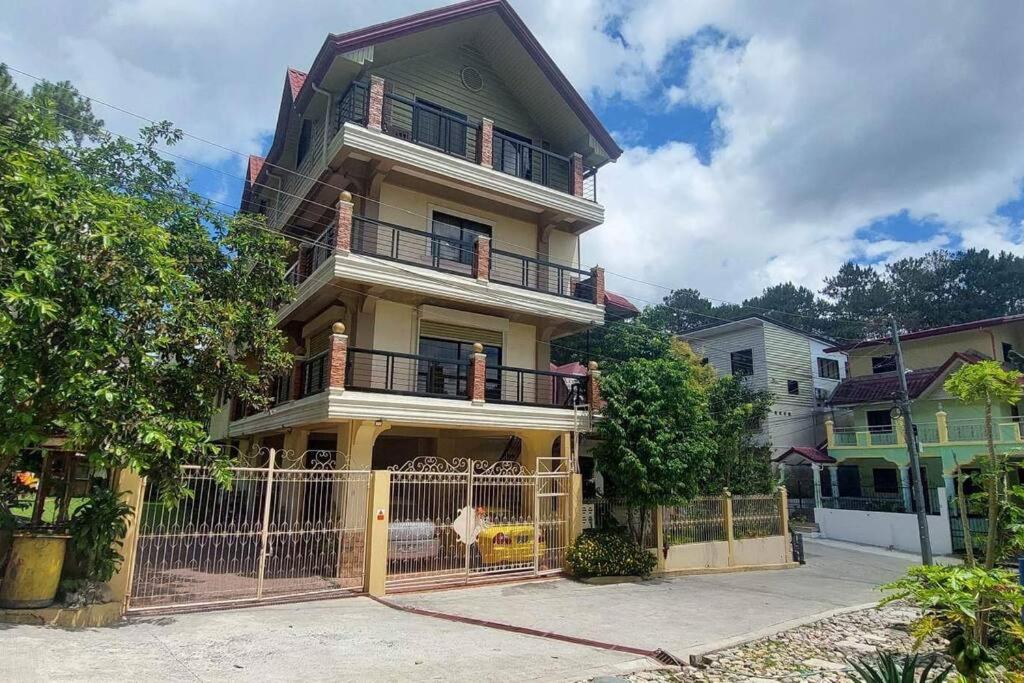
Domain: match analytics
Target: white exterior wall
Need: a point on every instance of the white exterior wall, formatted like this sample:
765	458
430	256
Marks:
818	351
887	529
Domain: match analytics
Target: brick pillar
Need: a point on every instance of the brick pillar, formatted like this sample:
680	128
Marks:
302	265
476	374
343	225
597	280
486	144
375	107
482	258
576	171
296	379
594	388
337	356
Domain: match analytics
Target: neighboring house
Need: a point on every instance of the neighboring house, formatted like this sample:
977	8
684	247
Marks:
446	170
868	443
800	370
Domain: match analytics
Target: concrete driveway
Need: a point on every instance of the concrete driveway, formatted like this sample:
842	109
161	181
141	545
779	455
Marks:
359	639
686	614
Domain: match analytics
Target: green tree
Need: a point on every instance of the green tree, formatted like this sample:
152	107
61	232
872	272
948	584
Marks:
988	383
654	441
742	462
128	303
617	340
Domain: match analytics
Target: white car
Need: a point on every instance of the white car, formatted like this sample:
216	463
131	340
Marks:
413	541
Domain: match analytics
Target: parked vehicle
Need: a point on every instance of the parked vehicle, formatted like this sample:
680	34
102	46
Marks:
412	540
509	544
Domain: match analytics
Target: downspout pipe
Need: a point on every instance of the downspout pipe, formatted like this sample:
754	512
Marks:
327	116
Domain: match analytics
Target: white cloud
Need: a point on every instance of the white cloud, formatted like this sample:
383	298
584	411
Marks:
828	115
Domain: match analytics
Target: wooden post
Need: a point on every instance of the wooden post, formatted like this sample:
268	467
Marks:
659	537
729	536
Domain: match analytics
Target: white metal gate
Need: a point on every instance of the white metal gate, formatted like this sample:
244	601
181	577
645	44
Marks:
463	521
290	527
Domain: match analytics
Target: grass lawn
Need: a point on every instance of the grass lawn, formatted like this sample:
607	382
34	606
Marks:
49	507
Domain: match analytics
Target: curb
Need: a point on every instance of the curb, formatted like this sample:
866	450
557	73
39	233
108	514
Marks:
697	659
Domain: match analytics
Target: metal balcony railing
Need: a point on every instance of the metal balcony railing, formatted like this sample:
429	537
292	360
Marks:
530	162
539	275
405	373
414	247
524	386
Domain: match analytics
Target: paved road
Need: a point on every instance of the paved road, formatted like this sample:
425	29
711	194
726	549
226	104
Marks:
358	639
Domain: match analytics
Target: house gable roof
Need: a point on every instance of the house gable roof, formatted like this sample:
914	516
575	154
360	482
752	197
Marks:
725	326
300	84
934	332
885	386
797	454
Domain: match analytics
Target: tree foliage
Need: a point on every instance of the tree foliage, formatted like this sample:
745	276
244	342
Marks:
127	304
654	441
742	460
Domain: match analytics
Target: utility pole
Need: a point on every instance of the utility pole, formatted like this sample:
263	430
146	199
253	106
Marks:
913	448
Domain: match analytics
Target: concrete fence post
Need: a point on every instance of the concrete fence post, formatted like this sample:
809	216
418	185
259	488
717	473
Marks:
129	483
816	472
730	538
378	511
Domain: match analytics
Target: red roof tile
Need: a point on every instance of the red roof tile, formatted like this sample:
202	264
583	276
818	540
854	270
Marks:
620	304
295	80
255	166
573	368
885	386
810	453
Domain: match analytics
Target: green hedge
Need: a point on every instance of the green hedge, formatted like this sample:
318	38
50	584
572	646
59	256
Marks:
608	553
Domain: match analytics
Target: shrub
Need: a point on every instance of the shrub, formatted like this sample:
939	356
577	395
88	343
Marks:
97	528
606	553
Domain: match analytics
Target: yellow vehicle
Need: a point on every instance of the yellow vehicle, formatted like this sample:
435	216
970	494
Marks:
508	544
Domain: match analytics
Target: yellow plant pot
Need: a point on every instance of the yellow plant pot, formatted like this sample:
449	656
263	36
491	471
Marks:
33	571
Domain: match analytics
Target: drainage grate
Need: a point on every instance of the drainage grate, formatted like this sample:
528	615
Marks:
667	658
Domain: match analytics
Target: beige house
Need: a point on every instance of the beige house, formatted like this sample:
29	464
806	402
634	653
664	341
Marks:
436	174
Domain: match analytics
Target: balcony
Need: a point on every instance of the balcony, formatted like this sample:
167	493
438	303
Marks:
459	135
934	435
364	250
355	383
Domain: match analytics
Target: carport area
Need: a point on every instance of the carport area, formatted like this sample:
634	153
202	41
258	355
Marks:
359	639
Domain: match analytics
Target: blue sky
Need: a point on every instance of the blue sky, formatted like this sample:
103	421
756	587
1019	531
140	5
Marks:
764	141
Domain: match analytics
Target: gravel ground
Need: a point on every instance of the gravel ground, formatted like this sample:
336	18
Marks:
816	652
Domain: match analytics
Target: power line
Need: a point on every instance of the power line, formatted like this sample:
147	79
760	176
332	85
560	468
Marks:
307	231
412	213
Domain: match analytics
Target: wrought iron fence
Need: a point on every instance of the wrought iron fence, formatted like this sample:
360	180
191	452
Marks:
462	521
756	516
868	499
415	247
287	527
699	521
